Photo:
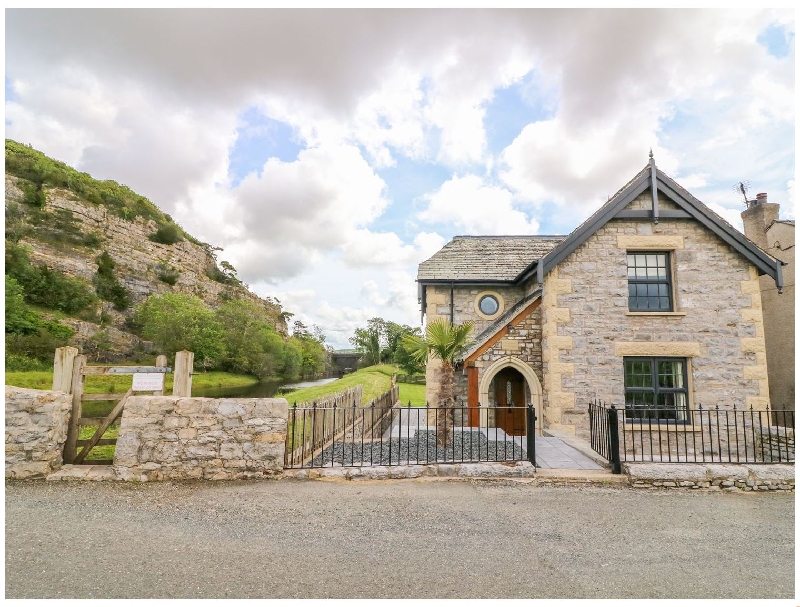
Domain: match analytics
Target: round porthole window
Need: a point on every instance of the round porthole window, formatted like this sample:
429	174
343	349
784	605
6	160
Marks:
489	305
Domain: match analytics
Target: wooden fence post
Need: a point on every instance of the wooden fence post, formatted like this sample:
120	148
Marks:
182	379
62	368
161	361
71	446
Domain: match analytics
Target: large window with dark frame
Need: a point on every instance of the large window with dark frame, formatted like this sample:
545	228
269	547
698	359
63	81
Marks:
649	282
656	388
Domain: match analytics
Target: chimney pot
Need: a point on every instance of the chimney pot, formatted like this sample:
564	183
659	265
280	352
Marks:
761	198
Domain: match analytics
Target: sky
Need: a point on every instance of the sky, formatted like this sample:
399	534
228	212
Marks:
329	152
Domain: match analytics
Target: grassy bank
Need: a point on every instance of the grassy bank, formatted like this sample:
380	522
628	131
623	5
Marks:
375	381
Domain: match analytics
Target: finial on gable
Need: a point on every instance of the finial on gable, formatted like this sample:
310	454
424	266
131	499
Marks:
651	153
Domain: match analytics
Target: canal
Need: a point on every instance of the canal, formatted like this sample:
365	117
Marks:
260	390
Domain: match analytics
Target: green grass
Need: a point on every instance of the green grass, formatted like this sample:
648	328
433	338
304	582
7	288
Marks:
375	381
117	384
414	393
103	451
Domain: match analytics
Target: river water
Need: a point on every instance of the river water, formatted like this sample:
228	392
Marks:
260	390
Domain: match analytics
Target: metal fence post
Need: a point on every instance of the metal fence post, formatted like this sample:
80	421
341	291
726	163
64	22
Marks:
613	440
531	434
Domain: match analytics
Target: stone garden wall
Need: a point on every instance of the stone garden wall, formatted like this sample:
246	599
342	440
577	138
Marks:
174	438
727	477
36	430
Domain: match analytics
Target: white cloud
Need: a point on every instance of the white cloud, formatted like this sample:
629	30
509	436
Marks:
477	208
427	244
377	248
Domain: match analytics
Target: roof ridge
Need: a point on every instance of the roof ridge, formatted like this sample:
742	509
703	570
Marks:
508	236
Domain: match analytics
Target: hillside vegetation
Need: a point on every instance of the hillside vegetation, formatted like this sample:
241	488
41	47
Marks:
93	264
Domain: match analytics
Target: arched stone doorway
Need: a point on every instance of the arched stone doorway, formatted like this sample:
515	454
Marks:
524	384
509	391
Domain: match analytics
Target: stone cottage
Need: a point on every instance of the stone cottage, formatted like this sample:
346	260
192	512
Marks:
652	304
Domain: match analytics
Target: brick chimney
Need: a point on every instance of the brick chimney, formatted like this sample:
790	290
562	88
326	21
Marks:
758	216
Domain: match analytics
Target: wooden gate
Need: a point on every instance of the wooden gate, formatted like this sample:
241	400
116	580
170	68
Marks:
69	371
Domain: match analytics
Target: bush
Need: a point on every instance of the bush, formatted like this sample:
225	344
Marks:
33	194
18	362
217	275
45	287
106	284
168	234
40	345
19	317
167	274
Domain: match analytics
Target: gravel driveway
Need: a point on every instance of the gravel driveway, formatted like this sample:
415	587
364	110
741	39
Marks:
405	539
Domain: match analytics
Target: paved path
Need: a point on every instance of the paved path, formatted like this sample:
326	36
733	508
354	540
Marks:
551	452
393	539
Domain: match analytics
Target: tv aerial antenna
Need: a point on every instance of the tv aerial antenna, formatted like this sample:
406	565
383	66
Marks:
742	188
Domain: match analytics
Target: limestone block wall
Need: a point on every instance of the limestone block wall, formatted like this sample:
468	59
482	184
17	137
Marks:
464	309
36	430
523	344
587	328
173	438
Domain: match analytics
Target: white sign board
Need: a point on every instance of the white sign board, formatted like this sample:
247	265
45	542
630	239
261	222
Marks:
148	382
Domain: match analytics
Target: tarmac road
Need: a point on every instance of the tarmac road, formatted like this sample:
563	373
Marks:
393	539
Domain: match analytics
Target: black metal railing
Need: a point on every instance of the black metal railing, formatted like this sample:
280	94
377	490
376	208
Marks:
690	435
405	435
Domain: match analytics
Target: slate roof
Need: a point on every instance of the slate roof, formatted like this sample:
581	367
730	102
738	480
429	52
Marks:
485	258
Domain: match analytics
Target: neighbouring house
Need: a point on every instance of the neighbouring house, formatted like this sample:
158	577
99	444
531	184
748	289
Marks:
652	304
775	236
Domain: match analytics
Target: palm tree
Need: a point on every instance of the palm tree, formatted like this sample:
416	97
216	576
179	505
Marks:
443	341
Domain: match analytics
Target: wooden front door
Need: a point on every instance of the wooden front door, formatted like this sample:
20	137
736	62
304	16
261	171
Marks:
509	391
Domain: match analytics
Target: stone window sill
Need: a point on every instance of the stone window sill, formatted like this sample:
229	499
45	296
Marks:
655	313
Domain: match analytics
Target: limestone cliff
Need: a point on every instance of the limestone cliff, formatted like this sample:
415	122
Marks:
143	266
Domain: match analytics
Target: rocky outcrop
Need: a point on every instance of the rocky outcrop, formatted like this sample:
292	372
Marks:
141	265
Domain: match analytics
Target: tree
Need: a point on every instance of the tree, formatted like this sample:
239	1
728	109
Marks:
313	355
381	342
368	343
19	317
174	321
251	344
403	358
443	341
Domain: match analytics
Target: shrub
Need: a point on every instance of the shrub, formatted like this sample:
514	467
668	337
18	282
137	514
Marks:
39	345
92	240
33	194
167	274
106	284
45	287
19	317
168	234
18	362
